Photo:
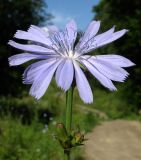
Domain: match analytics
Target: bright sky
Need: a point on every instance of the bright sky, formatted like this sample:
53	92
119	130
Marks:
64	10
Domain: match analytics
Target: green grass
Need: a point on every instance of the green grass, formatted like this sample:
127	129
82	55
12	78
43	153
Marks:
27	142
32	141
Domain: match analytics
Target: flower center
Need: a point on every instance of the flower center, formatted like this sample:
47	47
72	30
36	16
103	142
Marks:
70	54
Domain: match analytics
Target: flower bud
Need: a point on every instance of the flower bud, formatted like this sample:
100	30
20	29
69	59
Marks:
61	132
79	138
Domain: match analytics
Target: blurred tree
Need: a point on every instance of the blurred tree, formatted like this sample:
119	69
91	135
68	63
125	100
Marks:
125	14
16	14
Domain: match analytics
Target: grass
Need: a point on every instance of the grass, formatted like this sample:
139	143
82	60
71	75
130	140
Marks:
27	126
27	142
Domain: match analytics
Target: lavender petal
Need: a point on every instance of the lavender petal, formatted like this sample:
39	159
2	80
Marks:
43	35
64	74
31	48
83	86
92	30
53	28
43	80
32	37
35	69
104	36
109	70
57	74
89	34
94	42
70	33
114	37
38	31
100	77
116	60
24	57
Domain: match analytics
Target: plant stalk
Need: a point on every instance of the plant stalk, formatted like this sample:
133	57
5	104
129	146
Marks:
69	101
67	156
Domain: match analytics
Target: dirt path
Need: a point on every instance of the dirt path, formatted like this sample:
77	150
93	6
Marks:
116	140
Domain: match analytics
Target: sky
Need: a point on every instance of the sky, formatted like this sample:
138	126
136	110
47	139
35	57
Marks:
65	10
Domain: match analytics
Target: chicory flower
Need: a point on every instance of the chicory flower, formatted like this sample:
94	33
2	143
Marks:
58	56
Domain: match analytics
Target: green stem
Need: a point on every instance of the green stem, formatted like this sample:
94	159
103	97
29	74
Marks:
67	156
69	100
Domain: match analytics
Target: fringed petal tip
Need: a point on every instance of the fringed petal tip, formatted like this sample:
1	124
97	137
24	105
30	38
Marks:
16	35
34	95
22	34
13	60
64	89
72	22
113	89
124	31
30	27
10	61
10	42
24	81
131	64
98	22
89	101
86	101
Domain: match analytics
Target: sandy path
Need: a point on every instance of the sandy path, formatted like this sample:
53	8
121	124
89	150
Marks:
115	140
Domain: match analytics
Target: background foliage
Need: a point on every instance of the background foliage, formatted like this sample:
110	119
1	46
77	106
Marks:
125	14
16	14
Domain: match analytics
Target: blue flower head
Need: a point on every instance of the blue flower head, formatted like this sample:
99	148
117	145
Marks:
57	56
